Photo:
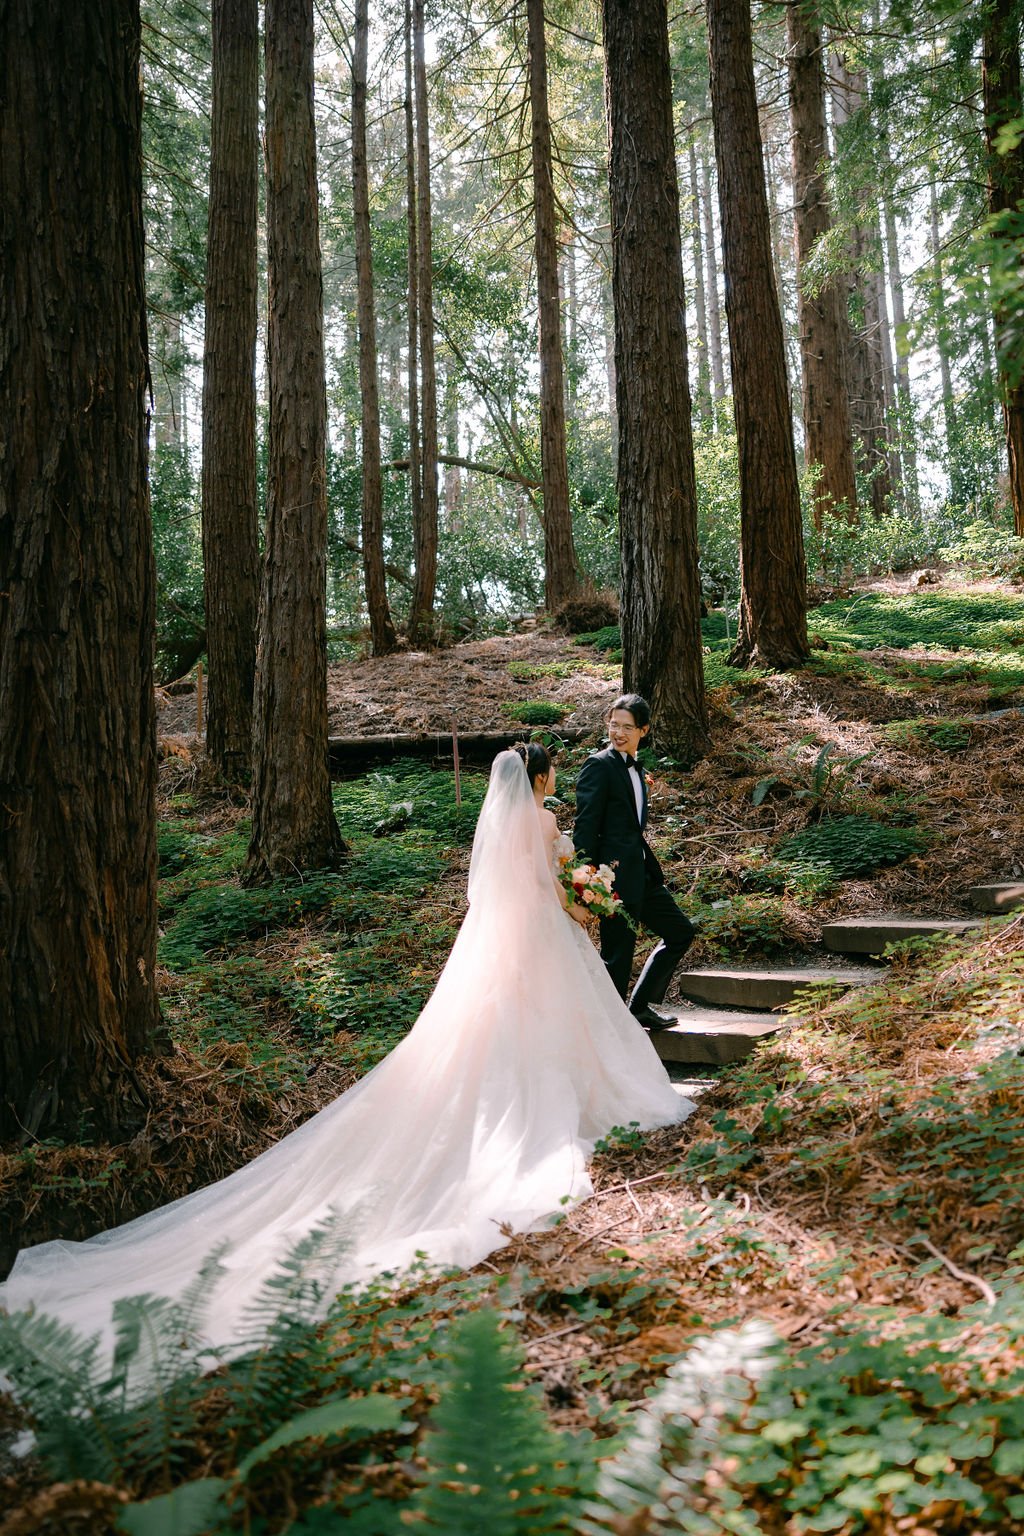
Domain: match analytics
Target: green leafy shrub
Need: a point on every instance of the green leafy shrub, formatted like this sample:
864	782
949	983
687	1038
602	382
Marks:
850	845
537	711
858	1433
425	797
982	621
215	917
176	849
609	638
745	925
932	734
986	549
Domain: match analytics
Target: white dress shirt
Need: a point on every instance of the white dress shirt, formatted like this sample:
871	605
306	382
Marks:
638	793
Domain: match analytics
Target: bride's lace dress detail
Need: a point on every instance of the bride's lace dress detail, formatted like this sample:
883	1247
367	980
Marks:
482	1118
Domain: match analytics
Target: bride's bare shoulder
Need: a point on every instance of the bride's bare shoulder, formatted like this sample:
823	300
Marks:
548	824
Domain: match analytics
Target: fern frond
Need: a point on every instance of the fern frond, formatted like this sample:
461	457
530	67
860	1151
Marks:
496	1465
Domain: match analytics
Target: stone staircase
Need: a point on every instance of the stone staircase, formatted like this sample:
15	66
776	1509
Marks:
727	1011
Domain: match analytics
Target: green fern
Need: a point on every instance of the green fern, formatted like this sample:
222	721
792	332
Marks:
496	1465
850	845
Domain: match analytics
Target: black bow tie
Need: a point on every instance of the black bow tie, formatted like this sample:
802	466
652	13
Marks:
629	761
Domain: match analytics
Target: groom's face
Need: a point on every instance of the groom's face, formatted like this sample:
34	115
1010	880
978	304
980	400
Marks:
624	733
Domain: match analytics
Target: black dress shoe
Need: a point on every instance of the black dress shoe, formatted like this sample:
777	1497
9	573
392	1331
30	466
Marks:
651	1021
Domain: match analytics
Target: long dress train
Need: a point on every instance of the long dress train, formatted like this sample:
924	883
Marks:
482	1118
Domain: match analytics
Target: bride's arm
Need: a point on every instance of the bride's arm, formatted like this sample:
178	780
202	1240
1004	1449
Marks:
549	826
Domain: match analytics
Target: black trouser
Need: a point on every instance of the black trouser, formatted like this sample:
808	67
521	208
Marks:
659	914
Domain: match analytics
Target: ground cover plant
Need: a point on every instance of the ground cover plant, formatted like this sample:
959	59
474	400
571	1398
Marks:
801	1311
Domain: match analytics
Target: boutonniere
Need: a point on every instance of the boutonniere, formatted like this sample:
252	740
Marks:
648	778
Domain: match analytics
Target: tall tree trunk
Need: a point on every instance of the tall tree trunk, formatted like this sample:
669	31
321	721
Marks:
293	825
231	569
865	369
824	332
382	630
889	399
421	611
662	656
700	305
1004	105
77	728
714	303
949	411
412	227
772	628
906	412
570	298
559	554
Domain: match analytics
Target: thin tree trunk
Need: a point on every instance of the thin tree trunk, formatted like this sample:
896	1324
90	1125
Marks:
231	562
906	412
824	331
571	302
412	226
866	386
662	656
1004	105
889	399
78	999
714	304
560	572
382	630
293	825
703	362
772	627
421	611
949	412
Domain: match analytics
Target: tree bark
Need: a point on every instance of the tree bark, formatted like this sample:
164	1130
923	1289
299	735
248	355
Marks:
77	584
414	463
704	411
560	572
421	613
662	655
824	331
949	411
231	570
293	825
865	366
905	407
1004	104
772	628
382	630
714	303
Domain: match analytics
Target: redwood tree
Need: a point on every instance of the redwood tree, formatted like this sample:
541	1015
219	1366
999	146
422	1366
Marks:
1004	108
421	609
772	628
661	638
382	629
77	725
231	573
560	572
824	329
293	825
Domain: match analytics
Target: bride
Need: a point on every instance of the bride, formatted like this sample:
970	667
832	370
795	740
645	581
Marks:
478	1124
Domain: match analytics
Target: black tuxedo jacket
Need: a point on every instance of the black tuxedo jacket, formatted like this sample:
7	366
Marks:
607	830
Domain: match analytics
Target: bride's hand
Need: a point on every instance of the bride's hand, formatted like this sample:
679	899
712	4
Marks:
578	914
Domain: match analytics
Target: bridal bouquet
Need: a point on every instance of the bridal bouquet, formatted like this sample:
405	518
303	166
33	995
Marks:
587	884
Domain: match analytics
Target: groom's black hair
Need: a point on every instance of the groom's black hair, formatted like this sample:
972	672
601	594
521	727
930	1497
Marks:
536	757
637	706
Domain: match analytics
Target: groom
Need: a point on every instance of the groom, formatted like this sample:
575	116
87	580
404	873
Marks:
611	814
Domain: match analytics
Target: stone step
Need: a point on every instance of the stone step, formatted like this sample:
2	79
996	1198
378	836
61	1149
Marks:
713	1037
1002	896
761	988
870	935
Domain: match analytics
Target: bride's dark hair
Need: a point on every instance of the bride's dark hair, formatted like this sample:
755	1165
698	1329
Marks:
536	757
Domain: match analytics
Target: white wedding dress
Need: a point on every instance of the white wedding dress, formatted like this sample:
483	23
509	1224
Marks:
483	1118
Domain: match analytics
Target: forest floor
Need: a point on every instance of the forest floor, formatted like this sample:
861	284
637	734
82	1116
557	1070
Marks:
854	1185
